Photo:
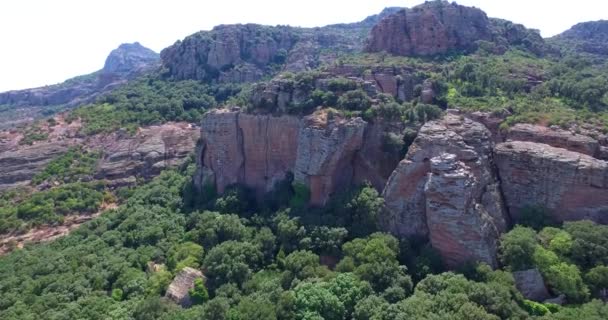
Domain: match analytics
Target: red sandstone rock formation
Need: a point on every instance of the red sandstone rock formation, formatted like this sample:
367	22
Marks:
429	29
571	185
259	150
455	202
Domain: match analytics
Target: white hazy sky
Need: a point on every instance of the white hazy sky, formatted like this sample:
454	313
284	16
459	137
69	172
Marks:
45	42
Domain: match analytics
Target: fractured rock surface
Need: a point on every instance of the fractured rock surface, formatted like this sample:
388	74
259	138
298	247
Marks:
446	189
570	185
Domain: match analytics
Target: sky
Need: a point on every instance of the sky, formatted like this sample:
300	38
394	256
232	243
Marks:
45	42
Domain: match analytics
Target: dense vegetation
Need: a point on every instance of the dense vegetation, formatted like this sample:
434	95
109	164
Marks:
21	209
151	100
277	260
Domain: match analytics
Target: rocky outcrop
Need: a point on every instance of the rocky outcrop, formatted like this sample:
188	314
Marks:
125	157
326	149
589	37
259	150
570	185
462	213
440	27
446	188
145	154
555	137
18	166
129	58
531	285
432	28
247	53
179	288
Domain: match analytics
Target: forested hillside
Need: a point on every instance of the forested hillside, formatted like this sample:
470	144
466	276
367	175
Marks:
424	163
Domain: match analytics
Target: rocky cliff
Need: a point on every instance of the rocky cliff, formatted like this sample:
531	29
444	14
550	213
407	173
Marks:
249	52
570	185
459	185
446	188
439	27
322	151
126	62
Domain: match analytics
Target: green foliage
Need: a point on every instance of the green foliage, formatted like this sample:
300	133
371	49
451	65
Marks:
199	293
49	207
147	101
535	308
71	166
566	278
359	209
32	134
301	195
597	279
354	100
422	113
517	248
231	262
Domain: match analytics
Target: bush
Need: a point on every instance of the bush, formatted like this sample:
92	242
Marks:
355	100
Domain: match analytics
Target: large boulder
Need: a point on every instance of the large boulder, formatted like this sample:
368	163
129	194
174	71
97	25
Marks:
531	285
571	185
446	188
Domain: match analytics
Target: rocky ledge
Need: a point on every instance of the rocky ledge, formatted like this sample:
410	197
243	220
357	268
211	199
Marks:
125	157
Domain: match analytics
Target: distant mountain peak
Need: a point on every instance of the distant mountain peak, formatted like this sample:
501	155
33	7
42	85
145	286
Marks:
129	57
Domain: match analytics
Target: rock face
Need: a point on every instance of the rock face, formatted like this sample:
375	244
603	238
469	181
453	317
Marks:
125	157
429	29
446	189
555	137
178	290
571	185
145	154
247	53
531	285
325	153
259	150
460	225
128	58
439	27
19	166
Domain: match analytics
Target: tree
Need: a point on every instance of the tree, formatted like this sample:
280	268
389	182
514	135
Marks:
517	248
566	278
349	289
314	299
354	100
301	265
232	261
597	280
